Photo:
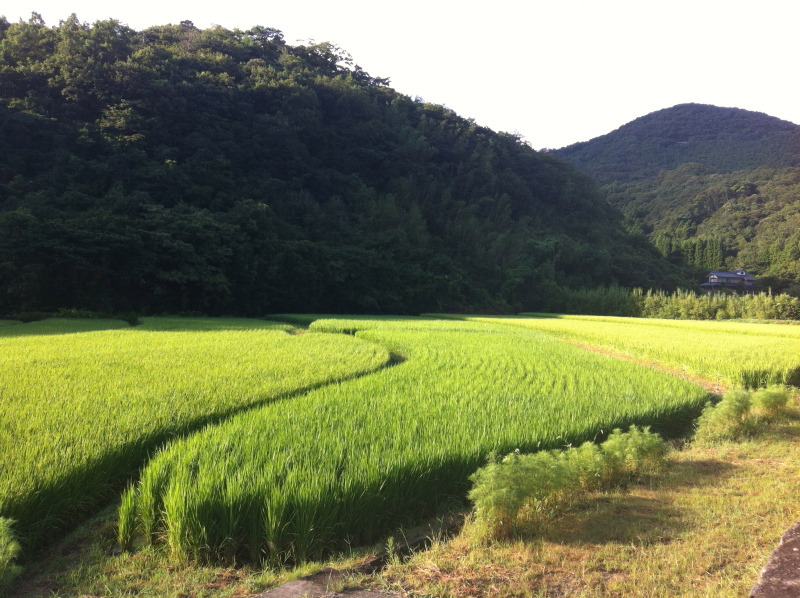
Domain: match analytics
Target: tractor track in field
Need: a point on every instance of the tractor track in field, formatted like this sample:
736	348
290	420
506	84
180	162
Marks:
716	387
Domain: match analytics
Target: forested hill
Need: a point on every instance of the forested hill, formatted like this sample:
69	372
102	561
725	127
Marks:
714	188
176	169
721	139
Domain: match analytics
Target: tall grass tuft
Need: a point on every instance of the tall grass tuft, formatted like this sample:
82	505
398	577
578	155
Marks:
770	403
9	551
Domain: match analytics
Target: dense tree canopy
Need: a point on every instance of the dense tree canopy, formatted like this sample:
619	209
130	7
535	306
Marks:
181	169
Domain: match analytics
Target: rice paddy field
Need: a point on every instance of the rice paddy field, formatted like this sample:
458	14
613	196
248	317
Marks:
734	353
350	462
86	402
242	440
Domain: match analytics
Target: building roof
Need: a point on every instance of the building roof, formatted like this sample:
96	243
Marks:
735	274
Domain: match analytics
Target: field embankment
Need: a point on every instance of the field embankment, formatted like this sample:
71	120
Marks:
702	529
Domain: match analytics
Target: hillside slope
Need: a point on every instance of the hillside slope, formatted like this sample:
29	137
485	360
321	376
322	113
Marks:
713	187
176	169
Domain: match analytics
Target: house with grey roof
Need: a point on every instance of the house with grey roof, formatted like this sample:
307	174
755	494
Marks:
738	281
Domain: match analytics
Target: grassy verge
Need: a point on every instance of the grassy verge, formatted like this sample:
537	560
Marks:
703	528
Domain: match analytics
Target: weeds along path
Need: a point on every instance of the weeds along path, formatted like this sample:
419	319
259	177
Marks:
82	410
352	461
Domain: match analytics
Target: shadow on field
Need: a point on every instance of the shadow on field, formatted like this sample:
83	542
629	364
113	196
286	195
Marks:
57	326
696	474
625	519
63	326
632	518
57	507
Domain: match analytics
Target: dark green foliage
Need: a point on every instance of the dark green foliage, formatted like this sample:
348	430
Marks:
712	221
721	139
9	550
601	301
184	170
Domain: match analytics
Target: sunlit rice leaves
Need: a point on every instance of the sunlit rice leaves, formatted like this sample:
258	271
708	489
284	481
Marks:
82	405
351	461
738	353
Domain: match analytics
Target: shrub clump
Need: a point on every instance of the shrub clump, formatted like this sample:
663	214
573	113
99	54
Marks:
741	414
9	550
513	490
770	403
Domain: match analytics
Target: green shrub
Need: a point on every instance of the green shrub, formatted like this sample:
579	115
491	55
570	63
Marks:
770	403
9	550
730	419
507	493
741	414
633	453
682	304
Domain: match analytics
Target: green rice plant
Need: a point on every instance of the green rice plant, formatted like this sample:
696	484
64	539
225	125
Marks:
86	402
507	493
732	353
347	463
9	551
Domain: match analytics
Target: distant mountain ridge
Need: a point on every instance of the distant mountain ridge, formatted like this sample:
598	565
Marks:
713	188
722	139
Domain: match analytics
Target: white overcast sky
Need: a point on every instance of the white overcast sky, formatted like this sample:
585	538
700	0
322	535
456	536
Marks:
554	71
